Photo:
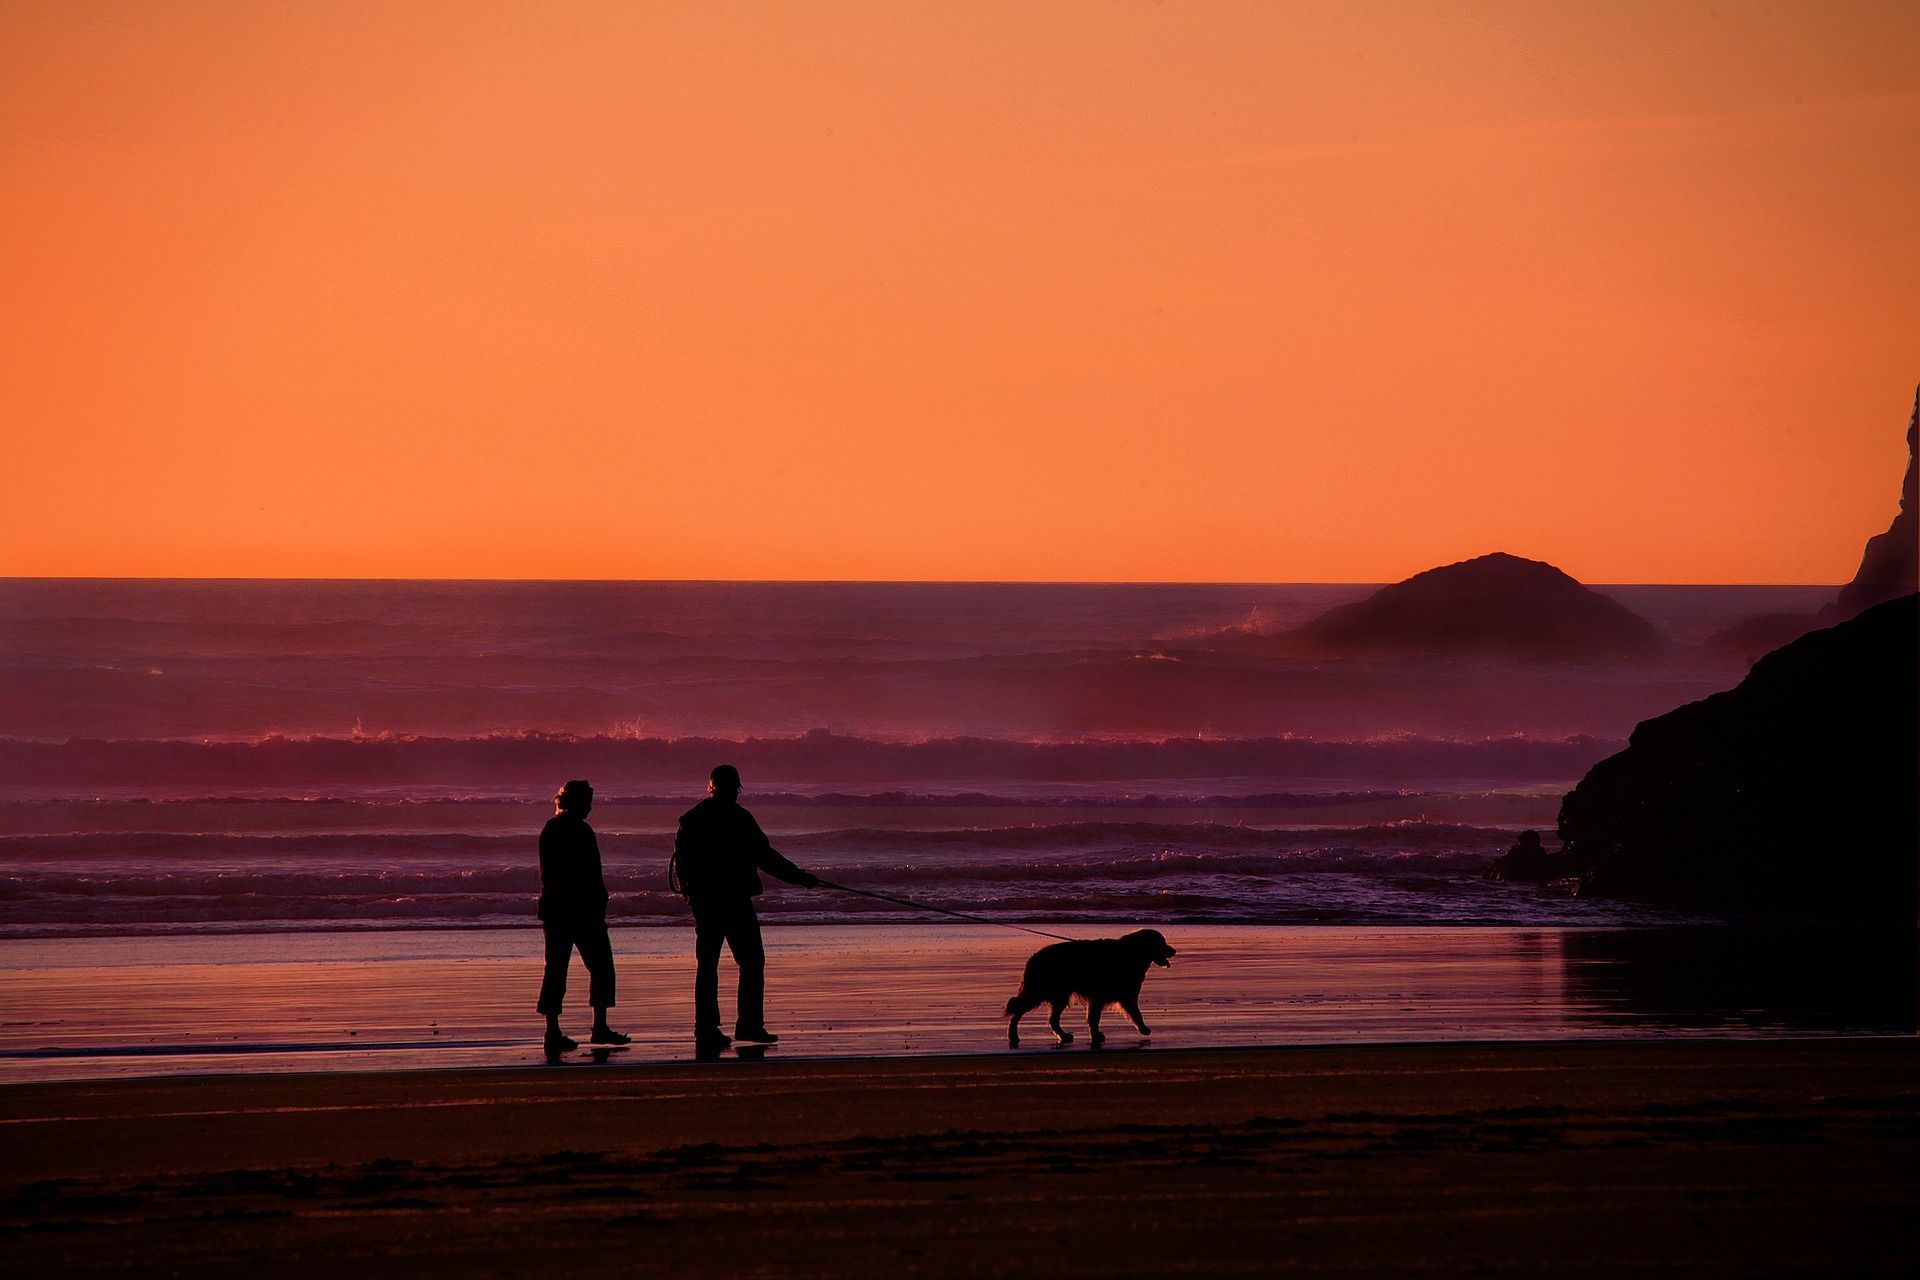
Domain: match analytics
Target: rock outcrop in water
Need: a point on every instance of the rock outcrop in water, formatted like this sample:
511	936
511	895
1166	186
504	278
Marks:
1528	862
1496	605
1792	794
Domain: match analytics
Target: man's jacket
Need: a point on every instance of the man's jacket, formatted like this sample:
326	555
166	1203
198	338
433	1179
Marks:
571	886
720	851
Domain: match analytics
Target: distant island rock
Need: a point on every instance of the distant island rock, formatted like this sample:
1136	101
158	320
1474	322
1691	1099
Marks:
1792	794
1889	568
1495	605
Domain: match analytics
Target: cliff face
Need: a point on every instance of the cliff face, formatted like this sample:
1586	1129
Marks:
1494	606
1890	568
1791	794
1891	564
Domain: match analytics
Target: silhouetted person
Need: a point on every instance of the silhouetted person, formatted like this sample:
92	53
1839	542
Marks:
573	913
718	855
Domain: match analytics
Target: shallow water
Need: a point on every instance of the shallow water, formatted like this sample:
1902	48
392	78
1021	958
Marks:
94	1008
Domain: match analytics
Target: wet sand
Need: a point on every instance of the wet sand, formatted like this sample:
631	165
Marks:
96	1008
1615	1158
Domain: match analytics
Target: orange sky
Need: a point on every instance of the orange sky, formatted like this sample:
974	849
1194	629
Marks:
1203	291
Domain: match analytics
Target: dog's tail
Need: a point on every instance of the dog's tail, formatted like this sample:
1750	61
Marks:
1013	1007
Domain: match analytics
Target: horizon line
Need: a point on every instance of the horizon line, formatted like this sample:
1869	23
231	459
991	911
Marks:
917	582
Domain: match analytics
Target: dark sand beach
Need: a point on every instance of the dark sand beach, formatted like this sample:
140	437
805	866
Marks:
1611	1158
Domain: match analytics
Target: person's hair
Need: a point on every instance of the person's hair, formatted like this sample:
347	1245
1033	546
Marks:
725	775
573	795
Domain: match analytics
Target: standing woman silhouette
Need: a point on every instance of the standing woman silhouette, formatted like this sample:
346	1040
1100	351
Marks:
573	913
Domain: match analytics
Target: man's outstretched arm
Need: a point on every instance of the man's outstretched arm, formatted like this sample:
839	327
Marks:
775	864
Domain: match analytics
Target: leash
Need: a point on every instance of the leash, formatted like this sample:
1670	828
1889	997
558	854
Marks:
923	906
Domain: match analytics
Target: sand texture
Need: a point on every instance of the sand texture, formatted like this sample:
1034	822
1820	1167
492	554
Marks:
1622	1158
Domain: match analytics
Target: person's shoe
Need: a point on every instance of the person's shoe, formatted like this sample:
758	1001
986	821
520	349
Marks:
559	1042
755	1035
708	1044
607	1035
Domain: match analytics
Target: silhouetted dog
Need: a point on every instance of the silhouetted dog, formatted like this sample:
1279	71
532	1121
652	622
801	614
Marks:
1101	971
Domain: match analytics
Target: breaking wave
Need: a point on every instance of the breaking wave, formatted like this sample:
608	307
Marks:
1072	871
817	760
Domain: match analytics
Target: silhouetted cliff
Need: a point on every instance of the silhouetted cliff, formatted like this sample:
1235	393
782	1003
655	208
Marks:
1792	794
1751	638
1889	568
1891	563
1496	606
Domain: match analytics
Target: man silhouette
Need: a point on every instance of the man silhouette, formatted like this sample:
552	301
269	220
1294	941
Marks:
573	913
718	854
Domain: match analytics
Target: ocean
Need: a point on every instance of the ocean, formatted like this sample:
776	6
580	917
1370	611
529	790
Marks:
245	757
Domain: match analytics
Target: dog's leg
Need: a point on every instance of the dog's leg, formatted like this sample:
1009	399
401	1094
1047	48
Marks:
1017	1008
1053	1020
1132	1009
1094	1009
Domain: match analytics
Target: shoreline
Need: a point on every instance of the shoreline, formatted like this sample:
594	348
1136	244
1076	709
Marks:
619	1058
339	1002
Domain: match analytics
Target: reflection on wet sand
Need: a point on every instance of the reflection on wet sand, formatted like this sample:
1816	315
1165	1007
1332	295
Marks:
92	1008
1805	980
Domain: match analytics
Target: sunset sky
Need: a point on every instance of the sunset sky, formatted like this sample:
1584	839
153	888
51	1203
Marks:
1201	291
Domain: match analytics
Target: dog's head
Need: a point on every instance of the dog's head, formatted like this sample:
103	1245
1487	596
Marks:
1151	946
